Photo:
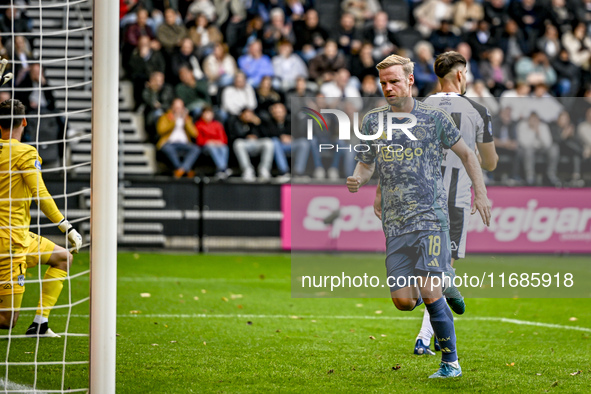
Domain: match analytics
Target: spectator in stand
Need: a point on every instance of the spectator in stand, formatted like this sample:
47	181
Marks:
295	9
515	98
534	137
156	97
430	13
370	87
512	42
535	69
340	87
578	45
277	31
193	92
310	37
496	74
564	135
362	10
562	15
255	64
472	71
231	20
425	78
480	93
466	14
212	138
568	75
186	57
201	7
495	13
530	15
348	36
549	43
176	131
238	96
22	57
481	40
266	96
132	35
14	19
249	139
547	106
279	130
363	63
323	66
32	92
170	33
300	91
144	60
220	67
444	39
205	36
383	40
505	139
287	67
134	31
584	134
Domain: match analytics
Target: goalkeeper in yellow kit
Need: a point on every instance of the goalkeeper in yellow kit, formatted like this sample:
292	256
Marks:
20	183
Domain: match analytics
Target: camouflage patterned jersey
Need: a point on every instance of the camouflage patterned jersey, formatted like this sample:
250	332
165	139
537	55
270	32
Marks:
413	196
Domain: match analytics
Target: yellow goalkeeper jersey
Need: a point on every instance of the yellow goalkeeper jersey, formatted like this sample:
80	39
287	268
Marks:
20	183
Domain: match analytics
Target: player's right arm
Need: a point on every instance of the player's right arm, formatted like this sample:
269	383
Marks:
365	160
488	155
30	167
361	176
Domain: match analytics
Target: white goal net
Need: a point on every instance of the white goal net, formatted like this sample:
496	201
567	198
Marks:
49	48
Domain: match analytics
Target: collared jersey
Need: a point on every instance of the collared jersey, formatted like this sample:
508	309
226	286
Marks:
413	197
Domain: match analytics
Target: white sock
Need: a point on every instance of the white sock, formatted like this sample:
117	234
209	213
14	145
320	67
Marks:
454	364
40	319
426	330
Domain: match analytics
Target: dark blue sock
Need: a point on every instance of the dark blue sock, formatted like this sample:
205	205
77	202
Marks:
443	325
419	302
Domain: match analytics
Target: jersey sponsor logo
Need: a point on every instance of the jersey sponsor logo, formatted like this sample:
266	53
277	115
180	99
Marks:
38	165
433	263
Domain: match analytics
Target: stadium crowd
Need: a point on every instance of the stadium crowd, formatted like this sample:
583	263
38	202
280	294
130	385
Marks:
216	78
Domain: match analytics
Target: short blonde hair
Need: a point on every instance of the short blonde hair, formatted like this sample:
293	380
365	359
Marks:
396	60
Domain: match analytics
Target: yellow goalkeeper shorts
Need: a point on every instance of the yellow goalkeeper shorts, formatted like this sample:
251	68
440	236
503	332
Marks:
15	259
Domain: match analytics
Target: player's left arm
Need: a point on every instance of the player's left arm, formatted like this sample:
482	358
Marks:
488	155
468	157
34	181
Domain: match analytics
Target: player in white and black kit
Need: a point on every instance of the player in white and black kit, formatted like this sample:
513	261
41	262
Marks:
474	122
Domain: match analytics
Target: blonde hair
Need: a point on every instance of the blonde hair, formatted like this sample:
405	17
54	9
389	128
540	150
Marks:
396	60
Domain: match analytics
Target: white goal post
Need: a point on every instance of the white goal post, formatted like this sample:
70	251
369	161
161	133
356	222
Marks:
103	250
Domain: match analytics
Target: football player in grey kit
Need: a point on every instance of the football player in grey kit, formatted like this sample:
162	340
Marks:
413	200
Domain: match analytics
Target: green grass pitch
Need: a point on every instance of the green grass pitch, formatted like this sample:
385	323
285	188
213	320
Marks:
225	323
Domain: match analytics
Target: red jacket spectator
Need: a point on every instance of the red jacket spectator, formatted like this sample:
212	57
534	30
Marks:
210	131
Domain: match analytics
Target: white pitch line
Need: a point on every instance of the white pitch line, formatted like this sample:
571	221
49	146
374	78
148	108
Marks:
201	280
360	317
12	387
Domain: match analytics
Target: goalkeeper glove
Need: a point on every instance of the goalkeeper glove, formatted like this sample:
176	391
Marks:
73	236
4	77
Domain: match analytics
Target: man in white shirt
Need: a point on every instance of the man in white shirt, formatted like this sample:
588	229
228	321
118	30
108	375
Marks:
534	136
